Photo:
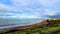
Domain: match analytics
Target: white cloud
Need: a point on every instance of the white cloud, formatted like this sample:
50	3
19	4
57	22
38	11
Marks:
32	16
50	12
32	3
22	3
5	8
26	3
17	4
49	3
23	16
26	16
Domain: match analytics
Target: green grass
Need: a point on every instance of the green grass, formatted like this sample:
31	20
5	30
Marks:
52	28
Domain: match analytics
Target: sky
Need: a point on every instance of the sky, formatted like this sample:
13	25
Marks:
29	8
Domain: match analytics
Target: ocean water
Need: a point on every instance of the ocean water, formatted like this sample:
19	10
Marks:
21	22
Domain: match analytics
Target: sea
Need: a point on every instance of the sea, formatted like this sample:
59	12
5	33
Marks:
20	22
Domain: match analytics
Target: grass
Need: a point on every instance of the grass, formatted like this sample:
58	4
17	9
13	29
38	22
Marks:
52	28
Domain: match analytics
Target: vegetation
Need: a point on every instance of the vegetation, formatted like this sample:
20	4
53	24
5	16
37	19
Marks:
53	27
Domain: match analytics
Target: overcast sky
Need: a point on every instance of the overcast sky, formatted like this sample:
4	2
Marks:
29	8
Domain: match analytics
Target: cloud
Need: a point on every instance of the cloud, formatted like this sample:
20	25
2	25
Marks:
35	3
30	8
8	12
5	8
16	15
49	3
49	13
23	3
